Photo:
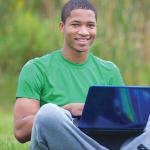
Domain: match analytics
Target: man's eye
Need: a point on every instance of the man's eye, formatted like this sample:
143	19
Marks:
91	26
75	25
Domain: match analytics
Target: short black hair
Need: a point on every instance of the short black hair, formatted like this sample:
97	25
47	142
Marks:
76	4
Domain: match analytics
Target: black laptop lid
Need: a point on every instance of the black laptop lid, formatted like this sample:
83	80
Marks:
116	108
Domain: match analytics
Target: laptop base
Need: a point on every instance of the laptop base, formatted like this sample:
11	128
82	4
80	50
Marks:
111	141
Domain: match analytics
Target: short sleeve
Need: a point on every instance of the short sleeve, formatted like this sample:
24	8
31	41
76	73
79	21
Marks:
29	82
116	78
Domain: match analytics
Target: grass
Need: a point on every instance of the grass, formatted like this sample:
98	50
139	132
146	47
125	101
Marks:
7	140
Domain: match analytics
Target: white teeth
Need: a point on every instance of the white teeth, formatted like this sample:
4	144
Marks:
82	39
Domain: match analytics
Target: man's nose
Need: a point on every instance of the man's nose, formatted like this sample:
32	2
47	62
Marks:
83	31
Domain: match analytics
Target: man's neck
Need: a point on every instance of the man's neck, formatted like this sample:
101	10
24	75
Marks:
74	56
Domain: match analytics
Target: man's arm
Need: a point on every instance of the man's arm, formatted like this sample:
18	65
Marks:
24	113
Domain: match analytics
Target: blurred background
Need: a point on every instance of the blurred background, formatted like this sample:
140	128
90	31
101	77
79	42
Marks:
30	28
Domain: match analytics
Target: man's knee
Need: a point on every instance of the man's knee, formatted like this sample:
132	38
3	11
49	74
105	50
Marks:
50	115
148	125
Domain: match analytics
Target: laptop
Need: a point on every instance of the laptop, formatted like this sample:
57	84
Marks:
116	110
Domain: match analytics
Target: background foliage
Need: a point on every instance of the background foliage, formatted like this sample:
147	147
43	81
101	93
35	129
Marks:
30	28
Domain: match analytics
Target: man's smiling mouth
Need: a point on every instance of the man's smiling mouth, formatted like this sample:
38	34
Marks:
82	40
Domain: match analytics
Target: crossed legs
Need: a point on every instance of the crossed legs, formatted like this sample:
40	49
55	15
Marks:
53	129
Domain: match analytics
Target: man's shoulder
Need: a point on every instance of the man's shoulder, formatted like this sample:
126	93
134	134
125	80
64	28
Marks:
105	64
43	60
40	63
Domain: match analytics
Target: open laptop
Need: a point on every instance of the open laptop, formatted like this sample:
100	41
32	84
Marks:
116	110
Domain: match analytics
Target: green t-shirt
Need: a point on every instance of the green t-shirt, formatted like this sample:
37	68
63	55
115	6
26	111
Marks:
52	78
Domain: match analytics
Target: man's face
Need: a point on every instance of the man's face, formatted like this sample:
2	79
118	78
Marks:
79	30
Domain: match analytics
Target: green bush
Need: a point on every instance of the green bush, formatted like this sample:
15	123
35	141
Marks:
29	29
25	37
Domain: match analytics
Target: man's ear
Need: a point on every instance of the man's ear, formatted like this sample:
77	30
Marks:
61	26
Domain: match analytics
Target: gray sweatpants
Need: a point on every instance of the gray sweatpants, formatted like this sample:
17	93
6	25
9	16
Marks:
53	129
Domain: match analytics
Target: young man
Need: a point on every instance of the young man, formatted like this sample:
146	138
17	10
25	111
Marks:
52	89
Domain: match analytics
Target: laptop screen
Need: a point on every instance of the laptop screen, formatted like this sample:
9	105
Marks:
109	108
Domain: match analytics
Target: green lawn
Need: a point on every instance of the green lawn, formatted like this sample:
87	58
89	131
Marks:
7	140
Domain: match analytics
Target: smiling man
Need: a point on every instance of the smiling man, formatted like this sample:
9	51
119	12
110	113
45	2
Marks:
52	89
79	33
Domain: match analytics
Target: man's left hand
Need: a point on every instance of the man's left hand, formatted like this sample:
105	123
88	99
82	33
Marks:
74	108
